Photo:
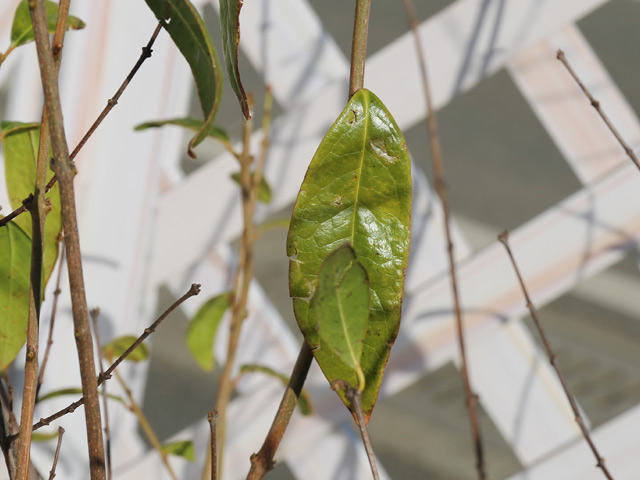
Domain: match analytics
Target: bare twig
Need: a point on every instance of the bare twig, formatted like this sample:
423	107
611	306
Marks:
65	171
194	290
146	53
52	473
596	104
359	45
438	167
146	427
504	239
95	314
212	417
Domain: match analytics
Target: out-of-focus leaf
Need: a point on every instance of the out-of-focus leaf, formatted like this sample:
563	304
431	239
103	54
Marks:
14	291
194	124
304	401
183	22
41	437
230	27
20	148
22	31
181	448
341	307
119	345
73	391
203	327
357	190
264	190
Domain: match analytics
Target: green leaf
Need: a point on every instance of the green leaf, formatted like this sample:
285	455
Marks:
118	346
230	27
40	437
264	190
15	246
341	307
20	148
194	124
203	327
181	448
73	391
22	31
304	401
183	22
358	190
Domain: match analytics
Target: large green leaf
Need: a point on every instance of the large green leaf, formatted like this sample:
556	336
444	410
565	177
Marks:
341	307
230	27
15	264
20	148
22	31
203	327
183	22
116	347
358	190
194	124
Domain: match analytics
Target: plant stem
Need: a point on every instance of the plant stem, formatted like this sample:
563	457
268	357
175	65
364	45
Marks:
213	418
359	45
65	171
52	473
95	314
504	239
596	104
471	399
262	462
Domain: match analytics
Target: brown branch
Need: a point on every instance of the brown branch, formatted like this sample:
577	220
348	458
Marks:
438	167
146	53
504	239
359	45
596	104
262	462
95	314
52	473
212	417
194	290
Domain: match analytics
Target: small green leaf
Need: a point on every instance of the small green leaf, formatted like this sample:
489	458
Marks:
20	148
41	437
22	31
194	124
230	26
15	246
118	346
203	327
73	391
304	401
341	307
181	448
357	190
183	22
264	190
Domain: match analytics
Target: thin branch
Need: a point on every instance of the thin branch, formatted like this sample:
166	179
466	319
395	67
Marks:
54	309
65	170
504	239
262	462
596	104
212	417
146	53
52	473
359	45
146	427
95	314
441	188
194	290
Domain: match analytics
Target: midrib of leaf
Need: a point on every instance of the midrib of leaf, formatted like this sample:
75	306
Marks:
359	183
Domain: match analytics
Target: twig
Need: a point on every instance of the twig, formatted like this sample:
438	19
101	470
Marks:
52	473
440	184
146	427
194	290
596	104
54	309
146	53
8	425
213	417
359	45
65	170
504	239
95	314
262	462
